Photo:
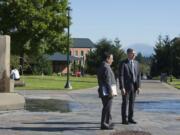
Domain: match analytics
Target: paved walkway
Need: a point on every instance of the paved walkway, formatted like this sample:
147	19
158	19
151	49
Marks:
85	118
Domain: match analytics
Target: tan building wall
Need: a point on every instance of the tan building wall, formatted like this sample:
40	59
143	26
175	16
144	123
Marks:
79	52
62	67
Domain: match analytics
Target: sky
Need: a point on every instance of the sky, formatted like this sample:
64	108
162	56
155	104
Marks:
132	21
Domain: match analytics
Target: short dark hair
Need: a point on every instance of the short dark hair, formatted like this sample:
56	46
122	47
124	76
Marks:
130	50
106	55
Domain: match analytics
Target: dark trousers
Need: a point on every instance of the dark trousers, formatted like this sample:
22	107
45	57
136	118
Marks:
106	117
128	100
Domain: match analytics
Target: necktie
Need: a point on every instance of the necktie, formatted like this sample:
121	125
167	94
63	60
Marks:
133	71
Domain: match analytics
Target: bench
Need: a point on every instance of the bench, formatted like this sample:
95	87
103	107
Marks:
19	83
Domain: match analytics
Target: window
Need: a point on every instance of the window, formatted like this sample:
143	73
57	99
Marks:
82	53
76	53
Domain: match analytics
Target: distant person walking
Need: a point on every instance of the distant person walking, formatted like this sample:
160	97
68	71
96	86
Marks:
106	79
15	74
129	84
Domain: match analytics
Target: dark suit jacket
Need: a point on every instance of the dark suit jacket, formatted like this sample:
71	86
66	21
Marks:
105	78
126	76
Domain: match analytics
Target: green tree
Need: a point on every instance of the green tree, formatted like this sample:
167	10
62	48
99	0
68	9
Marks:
14	60
161	61
95	57
140	58
42	66
175	57
145	63
35	26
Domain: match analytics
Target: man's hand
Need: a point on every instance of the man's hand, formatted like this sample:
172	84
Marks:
138	91
123	91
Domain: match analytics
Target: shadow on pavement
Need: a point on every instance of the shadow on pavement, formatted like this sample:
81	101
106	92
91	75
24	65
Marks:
68	123
49	129
64	123
67	126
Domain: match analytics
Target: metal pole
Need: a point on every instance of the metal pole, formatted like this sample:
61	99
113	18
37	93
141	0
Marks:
68	85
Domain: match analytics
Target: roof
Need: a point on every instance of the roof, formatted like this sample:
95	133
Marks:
82	43
61	57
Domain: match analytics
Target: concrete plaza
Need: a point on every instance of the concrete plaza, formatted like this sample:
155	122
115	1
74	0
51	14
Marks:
85	117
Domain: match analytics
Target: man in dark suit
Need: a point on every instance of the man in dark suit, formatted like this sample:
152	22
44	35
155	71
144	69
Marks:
129	84
106	79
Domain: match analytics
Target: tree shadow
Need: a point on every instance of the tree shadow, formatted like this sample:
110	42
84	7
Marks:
63	126
69	123
49	129
64	123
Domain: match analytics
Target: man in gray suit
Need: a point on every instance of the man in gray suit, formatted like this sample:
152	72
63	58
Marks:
106	79
129	84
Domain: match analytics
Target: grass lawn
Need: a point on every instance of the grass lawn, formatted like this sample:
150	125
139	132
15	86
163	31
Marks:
56	82
175	83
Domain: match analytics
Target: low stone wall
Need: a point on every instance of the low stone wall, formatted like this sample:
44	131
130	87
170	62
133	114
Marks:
11	101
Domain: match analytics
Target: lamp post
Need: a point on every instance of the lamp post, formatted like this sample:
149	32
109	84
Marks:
68	85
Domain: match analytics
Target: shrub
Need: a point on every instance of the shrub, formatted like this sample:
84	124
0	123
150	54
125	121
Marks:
42	66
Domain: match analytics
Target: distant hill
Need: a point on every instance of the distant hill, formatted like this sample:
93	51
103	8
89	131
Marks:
144	49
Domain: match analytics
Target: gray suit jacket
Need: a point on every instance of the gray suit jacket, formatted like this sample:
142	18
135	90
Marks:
105	78
126	76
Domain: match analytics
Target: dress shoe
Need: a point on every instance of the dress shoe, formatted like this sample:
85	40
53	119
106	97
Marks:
125	122
132	121
111	125
107	128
